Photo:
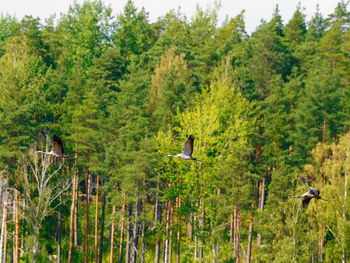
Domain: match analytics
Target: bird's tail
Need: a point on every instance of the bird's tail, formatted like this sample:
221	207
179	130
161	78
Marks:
296	196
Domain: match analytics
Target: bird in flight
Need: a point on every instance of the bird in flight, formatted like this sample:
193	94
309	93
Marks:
187	151
306	197
58	149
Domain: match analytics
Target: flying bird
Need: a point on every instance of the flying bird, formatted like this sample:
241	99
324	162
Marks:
58	150
188	150
306	197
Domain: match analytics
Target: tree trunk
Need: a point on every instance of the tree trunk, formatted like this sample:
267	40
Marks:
237	226
136	232
86	234
76	216
166	241
102	227
3	237
96	220
261	204
128	234
121	243
112	237
143	228
171	231
17	227
250	235
72	240
232	231
178	233
59	237
201	227
157	220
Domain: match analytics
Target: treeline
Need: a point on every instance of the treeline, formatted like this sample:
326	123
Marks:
269	112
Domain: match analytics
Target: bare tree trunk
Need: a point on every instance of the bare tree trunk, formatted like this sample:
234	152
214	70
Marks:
102	227
231	227
250	235
17	227
261	204
171	231
96	220
201	227
86	234
3	237
72	240
143	248
178	233
112	237
76	216
237	226
121	243
166	241
157	219
59	237
128	234
143	228
136	232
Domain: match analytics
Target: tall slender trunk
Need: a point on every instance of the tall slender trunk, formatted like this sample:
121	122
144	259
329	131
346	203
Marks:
3	237
72	228
102	227
71	223
143	229
237	226
178	233
143	245
344	209
261	204
201	228
171	208
111	243
128	234
166	241
250	236
232	231
76	216
17	227
122	230
96	220
157	219
86	234
136	232
59	236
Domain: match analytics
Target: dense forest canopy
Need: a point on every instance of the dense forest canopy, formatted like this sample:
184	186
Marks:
269	112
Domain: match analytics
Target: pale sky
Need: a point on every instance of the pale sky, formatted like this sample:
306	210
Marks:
255	9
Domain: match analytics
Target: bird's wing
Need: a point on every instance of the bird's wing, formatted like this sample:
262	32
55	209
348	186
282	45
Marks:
306	201
188	148
314	191
58	145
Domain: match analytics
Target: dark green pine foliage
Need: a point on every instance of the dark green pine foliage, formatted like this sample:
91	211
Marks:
23	108
123	92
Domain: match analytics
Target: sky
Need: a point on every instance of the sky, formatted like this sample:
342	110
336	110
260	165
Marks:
255	10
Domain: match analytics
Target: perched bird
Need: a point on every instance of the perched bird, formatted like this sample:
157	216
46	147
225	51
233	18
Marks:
58	149
188	150
306	197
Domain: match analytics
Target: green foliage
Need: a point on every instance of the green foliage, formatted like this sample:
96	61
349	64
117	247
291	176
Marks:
122	93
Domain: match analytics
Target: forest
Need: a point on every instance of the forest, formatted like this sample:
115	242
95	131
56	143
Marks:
269	113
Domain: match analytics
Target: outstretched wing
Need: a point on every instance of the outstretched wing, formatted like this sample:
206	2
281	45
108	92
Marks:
188	148
314	191
58	145
306	201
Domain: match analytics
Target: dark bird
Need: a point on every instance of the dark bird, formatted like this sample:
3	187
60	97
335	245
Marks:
188	150
306	197
58	149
